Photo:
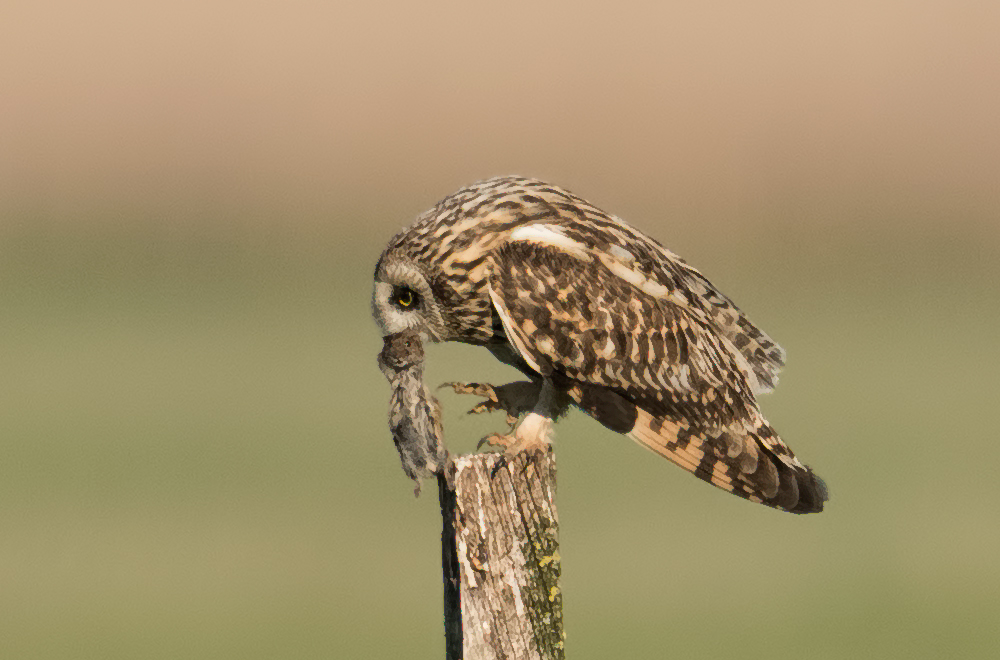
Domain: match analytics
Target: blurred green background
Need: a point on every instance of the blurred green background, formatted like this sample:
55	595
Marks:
194	458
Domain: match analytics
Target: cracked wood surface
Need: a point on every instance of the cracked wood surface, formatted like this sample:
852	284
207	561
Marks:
501	555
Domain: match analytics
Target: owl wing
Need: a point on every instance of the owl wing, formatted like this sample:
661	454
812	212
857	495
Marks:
764	355
637	358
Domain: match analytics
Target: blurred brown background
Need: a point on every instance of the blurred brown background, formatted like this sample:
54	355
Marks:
194	460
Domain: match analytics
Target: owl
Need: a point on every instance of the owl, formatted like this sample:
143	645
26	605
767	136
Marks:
598	316
414	414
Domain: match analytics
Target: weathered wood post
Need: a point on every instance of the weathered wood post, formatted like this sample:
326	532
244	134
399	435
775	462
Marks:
499	541
500	552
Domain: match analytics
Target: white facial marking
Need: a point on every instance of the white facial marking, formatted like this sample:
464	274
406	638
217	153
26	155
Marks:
390	318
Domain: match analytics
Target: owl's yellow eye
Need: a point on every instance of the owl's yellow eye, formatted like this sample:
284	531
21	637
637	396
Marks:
404	297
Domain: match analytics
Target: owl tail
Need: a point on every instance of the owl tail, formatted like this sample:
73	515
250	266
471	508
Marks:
752	463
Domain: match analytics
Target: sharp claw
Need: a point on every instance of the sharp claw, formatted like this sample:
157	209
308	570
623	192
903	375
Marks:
484	390
460	388
494	440
514	399
484	406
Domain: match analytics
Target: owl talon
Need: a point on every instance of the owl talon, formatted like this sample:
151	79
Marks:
485	390
493	440
514	398
484	406
479	389
530	435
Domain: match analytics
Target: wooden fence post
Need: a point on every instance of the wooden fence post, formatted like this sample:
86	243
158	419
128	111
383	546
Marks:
500	556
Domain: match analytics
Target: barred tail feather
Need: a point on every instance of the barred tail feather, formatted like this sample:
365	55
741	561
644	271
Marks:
753	464
742	466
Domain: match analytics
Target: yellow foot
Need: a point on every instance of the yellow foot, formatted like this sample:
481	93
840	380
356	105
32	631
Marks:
532	434
513	398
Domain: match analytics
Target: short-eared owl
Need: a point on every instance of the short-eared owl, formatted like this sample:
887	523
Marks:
599	315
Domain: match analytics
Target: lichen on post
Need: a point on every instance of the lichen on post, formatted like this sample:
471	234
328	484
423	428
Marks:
507	550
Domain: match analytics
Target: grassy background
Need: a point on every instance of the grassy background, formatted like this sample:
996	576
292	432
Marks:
196	464
194	460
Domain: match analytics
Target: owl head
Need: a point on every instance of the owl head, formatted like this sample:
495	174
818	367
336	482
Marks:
403	299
